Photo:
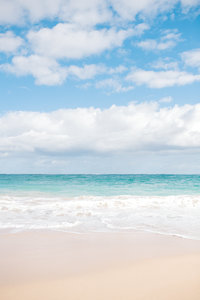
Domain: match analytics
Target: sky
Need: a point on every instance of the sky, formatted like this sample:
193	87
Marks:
100	86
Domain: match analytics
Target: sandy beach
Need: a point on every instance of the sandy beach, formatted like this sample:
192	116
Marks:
100	150
135	265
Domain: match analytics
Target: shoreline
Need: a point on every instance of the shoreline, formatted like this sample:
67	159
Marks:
51	265
111	232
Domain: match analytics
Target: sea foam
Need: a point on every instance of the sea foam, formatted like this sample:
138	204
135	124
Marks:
172	215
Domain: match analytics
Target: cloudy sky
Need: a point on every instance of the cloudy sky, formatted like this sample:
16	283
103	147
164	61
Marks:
99	86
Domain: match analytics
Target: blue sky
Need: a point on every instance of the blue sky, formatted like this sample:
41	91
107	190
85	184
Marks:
64	64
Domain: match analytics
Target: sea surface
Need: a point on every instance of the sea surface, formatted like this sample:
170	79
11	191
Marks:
165	204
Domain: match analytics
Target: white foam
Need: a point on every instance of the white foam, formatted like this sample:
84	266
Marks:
174	215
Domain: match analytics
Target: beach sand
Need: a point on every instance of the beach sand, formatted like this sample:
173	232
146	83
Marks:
133	265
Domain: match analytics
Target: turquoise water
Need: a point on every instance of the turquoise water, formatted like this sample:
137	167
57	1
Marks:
165	204
102	185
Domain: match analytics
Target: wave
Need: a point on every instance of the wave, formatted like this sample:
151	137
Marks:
173	215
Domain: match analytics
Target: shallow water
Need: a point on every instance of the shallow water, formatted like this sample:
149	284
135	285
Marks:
168	204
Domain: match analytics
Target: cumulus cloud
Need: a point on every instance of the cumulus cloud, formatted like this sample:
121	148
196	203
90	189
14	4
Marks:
87	71
118	129
9	42
70	41
47	50
10	12
192	58
168	40
165	64
16	11
45	70
85	12
188	4
140	29
151	44
113	85
129	9
166	99
92	70
161	79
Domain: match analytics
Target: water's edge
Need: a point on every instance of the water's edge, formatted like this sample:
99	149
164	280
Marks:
166	204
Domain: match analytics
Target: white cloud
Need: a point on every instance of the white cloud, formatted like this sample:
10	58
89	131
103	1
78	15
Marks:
187	4
17	11
165	64
10	12
92	70
118	129
85	12
168	40
69	41
117	70
140	29
45	70
9	42
192	58
166	99
128	9
154	45
161	79
171	34
87	71
113	85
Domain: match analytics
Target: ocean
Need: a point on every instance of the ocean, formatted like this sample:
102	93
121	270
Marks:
165	204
